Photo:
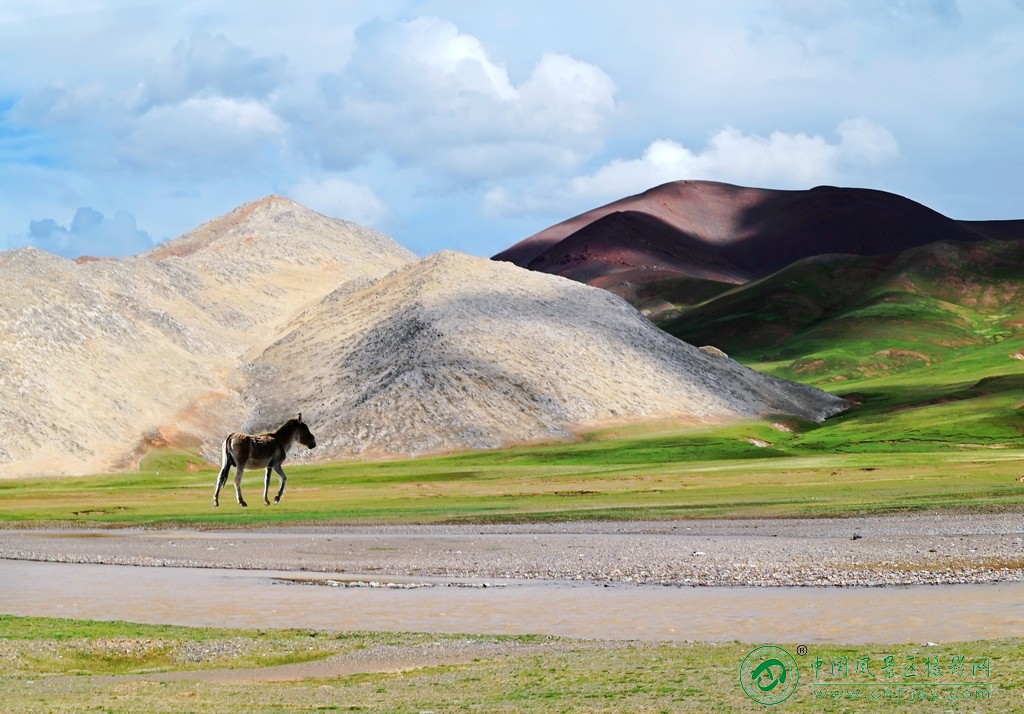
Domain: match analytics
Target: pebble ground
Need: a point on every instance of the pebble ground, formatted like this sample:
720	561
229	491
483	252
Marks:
872	551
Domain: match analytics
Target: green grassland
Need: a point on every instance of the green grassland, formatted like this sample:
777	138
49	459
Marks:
73	666
910	445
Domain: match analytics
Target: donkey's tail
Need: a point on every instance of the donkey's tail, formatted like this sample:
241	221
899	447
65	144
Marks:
226	459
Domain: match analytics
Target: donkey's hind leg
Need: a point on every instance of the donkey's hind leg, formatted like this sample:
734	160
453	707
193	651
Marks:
226	462
239	470
221	480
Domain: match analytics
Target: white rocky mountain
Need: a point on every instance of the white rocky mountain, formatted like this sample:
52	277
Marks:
456	352
100	359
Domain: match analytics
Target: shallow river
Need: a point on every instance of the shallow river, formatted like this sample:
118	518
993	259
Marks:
259	598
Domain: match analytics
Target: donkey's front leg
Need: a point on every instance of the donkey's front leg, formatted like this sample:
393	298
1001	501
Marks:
238	485
266	484
284	479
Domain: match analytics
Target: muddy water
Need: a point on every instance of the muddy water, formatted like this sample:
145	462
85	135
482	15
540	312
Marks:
247	598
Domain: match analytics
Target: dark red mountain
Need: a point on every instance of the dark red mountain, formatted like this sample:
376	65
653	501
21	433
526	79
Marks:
699	231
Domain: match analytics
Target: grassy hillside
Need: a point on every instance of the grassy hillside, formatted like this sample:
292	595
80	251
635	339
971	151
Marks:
928	343
851	316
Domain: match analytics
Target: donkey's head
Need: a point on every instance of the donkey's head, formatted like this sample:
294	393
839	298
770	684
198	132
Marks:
303	435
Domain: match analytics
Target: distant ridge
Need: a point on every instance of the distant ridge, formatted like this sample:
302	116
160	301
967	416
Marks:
210	232
731	234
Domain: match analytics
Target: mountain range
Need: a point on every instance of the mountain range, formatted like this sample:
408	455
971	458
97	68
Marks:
457	352
683	243
274	309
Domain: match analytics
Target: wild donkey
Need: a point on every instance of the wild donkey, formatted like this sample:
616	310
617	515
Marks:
259	451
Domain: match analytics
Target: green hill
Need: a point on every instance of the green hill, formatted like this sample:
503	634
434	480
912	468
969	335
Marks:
834	318
928	343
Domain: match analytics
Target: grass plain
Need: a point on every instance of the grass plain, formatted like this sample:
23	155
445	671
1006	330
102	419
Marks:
929	440
72	666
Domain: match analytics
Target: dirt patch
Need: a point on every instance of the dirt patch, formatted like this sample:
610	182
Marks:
373	660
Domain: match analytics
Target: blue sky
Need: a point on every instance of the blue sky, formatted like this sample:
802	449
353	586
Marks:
470	125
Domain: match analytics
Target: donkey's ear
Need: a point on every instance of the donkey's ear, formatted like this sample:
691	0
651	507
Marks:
299	416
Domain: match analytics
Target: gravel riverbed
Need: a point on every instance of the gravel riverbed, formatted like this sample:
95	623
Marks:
873	551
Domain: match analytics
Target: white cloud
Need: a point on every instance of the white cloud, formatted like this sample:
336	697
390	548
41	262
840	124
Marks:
427	95
866	143
341	198
60	105
204	108
211	65
427	58
566	96
116	102
780	160
91	233
202	134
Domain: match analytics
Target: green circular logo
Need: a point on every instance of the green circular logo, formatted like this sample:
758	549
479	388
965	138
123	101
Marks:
769	675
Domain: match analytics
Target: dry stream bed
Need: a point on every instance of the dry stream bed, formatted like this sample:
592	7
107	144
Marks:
813	580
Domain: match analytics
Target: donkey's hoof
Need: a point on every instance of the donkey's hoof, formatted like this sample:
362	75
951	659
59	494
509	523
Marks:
277	499
266	502
215	504
243	504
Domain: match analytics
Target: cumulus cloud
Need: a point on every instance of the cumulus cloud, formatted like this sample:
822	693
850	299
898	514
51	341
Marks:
866	143
201	134
780	160
566	96
341	198
419	94
428	58
58	104
425	94
90	233
203	66
206	108
206	65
